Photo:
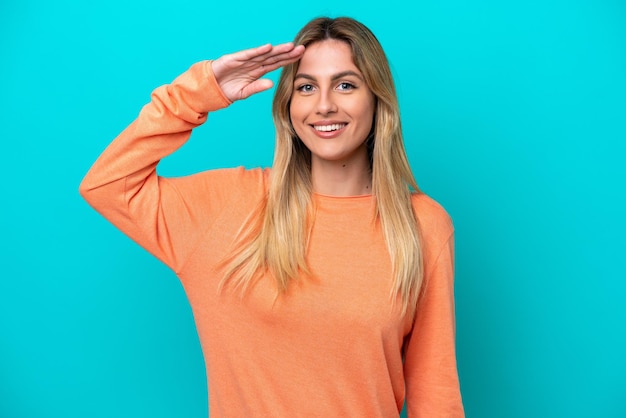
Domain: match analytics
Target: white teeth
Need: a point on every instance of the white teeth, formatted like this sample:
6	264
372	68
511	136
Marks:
328	128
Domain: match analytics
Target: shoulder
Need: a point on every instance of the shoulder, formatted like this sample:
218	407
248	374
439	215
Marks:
434	222
430	213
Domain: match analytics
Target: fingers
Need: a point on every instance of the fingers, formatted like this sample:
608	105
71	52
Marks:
269	51
239	74
265	62
277	57
256	62
252	53
269	56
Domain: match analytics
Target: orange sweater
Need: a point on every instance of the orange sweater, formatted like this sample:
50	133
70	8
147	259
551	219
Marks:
333	345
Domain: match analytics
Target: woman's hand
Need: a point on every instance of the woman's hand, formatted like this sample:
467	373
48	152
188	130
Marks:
239	74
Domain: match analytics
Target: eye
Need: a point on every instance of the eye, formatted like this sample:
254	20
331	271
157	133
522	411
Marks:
346	86
305	88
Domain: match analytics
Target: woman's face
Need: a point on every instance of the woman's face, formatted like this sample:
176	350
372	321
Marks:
332	109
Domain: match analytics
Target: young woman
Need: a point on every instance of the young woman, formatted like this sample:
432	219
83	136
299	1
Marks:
321	287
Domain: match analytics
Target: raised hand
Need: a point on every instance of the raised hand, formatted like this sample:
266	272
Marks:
240	74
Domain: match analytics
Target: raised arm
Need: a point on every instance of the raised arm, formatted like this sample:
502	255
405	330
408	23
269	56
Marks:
123	184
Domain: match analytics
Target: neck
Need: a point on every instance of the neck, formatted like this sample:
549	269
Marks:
336	178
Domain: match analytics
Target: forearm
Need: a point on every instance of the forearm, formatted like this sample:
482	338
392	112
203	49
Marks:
162	126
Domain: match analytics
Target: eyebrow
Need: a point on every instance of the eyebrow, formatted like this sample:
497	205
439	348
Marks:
335	77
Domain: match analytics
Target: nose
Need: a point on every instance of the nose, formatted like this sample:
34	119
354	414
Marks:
326	103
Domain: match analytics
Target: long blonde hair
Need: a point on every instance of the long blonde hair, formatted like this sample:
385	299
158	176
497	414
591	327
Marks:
276	240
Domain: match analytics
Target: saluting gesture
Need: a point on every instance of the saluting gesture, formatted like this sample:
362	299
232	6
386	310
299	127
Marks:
240	74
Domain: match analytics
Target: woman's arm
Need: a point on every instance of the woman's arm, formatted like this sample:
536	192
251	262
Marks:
123	184
430	370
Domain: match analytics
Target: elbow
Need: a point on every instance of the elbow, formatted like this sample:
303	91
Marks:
85	188
89	190
102	194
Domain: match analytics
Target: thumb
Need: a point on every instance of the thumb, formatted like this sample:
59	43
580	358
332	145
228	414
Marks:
256	86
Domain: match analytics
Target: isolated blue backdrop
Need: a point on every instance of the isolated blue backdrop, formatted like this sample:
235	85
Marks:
515	120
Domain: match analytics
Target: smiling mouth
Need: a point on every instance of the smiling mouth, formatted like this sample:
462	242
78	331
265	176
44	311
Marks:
329	128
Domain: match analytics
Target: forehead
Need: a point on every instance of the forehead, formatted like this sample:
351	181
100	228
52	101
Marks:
327	57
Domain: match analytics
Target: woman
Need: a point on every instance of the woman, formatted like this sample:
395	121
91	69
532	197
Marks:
321	287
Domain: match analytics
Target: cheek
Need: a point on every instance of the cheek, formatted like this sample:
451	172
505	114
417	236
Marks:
296	108
366	117
291	115
296	117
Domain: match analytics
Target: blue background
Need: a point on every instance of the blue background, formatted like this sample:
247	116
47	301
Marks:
515	120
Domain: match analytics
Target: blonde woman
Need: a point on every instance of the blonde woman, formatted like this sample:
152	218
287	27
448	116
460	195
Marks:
324	285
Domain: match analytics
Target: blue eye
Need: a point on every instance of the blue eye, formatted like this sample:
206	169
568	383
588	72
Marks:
345	86
305	88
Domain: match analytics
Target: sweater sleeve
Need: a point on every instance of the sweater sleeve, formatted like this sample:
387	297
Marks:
430	369
123	185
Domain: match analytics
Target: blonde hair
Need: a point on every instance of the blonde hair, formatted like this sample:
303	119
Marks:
276	241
